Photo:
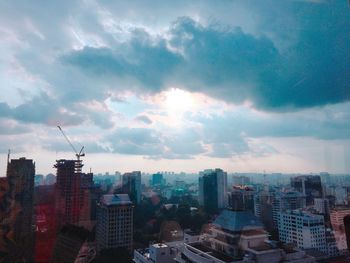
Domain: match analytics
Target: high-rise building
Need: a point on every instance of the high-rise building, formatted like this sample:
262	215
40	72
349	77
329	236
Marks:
114	222
157	179
68	186
20	178
73	193
309	185
213	190
263	209
337	216
131	185
304	229
68	244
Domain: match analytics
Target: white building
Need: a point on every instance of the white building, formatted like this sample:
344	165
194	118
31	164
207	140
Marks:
304	229
114	222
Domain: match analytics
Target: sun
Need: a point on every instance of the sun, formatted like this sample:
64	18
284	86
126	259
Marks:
178	101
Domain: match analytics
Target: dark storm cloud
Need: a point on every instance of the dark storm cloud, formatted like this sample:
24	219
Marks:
232	65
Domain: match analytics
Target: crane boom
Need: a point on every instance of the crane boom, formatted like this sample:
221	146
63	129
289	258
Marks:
81	153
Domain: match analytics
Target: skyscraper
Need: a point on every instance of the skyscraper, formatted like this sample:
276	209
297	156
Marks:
309	185
131	185
213	190
20	178
114	222
68	185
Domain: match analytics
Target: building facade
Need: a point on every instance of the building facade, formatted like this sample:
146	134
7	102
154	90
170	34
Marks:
213	190
304	229
114	222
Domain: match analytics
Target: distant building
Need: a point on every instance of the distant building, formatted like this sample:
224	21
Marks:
114	222
308	185
321	205
68	244
157	180
241	198
131	185
240	180
38	179
304	229
20	178
213	190
50	179
263	209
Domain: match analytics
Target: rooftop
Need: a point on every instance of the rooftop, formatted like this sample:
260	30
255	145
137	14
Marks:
237	221
116	199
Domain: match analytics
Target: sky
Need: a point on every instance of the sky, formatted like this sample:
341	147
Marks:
247	86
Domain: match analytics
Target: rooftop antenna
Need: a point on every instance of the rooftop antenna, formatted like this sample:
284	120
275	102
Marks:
8	156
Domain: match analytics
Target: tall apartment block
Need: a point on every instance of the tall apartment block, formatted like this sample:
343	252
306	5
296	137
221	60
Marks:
114	222
20	179
213	190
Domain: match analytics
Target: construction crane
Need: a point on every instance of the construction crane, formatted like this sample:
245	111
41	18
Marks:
77	154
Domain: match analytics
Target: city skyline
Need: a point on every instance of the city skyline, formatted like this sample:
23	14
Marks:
178	86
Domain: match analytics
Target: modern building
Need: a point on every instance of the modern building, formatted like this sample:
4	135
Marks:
264	207
338	215
308	185
213	190
69	241
157	180
131	185
114	222
304	229
20	179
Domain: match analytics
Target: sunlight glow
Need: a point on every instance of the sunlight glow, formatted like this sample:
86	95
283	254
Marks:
178	101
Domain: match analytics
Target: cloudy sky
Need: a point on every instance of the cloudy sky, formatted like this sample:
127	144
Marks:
177	85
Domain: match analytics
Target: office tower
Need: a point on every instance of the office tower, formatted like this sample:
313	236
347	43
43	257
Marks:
338	215
20	178
131	185
38	179
157	179
68	185
309	185
304	229
114	222
68	243
241	198
213	190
